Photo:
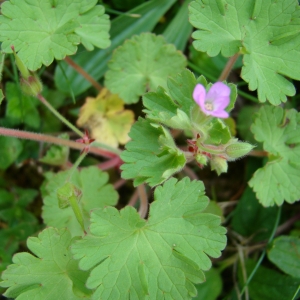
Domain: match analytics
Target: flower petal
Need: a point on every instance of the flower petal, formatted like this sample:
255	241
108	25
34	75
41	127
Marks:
199	95
220	114
221	103
218	89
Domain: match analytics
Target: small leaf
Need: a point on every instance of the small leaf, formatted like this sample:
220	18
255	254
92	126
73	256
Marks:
57	155
106	118
285	254
51	274
42	30
10	149
152	155
275	127
160	258
142	64
21	108
95	193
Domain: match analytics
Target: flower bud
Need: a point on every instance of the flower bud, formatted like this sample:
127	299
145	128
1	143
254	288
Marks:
65	192
30	82
31	86
238	149
201	159
219	164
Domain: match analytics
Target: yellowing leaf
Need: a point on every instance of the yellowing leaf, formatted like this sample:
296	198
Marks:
106	118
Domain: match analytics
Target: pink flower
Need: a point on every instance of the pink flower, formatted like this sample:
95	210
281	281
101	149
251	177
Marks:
215	101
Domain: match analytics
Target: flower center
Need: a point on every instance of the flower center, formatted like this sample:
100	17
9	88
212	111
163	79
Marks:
208	106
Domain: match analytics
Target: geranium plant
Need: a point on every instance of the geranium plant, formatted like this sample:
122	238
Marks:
142	158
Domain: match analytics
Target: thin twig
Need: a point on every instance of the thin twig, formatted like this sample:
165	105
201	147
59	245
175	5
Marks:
143	201
258	153
59	116
119	183
53	140
109	164
134	198
83	73
189	172
228	67
241	257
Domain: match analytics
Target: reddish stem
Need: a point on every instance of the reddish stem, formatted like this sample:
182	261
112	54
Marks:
228	67
83	73
53	140
110	163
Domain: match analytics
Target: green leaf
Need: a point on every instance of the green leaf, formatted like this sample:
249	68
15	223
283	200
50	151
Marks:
57	155
278	130
152	155
252	219
267	33
126	4
141	64
284	253
41	30
51	274
268	284
157	259
9	151
211	288
95	193
122	28
14	211
179	29
20	107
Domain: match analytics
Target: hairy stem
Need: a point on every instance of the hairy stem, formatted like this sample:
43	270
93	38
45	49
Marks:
59	116
53	140
83	73
228	67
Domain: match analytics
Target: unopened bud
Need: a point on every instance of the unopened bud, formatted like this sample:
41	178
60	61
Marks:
30	82
65	192
238	149
31	86
219	164
201	159
25	73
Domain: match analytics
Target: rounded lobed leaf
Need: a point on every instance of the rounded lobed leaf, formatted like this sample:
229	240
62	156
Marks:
92	183
160	258
266	32
142	64
51	274
43	30
278	129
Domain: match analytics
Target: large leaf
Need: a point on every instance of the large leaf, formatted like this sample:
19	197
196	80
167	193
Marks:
141	64
284	253
152	155
156	259
41	30
267	33
51	274
92	182
278	180
122	28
